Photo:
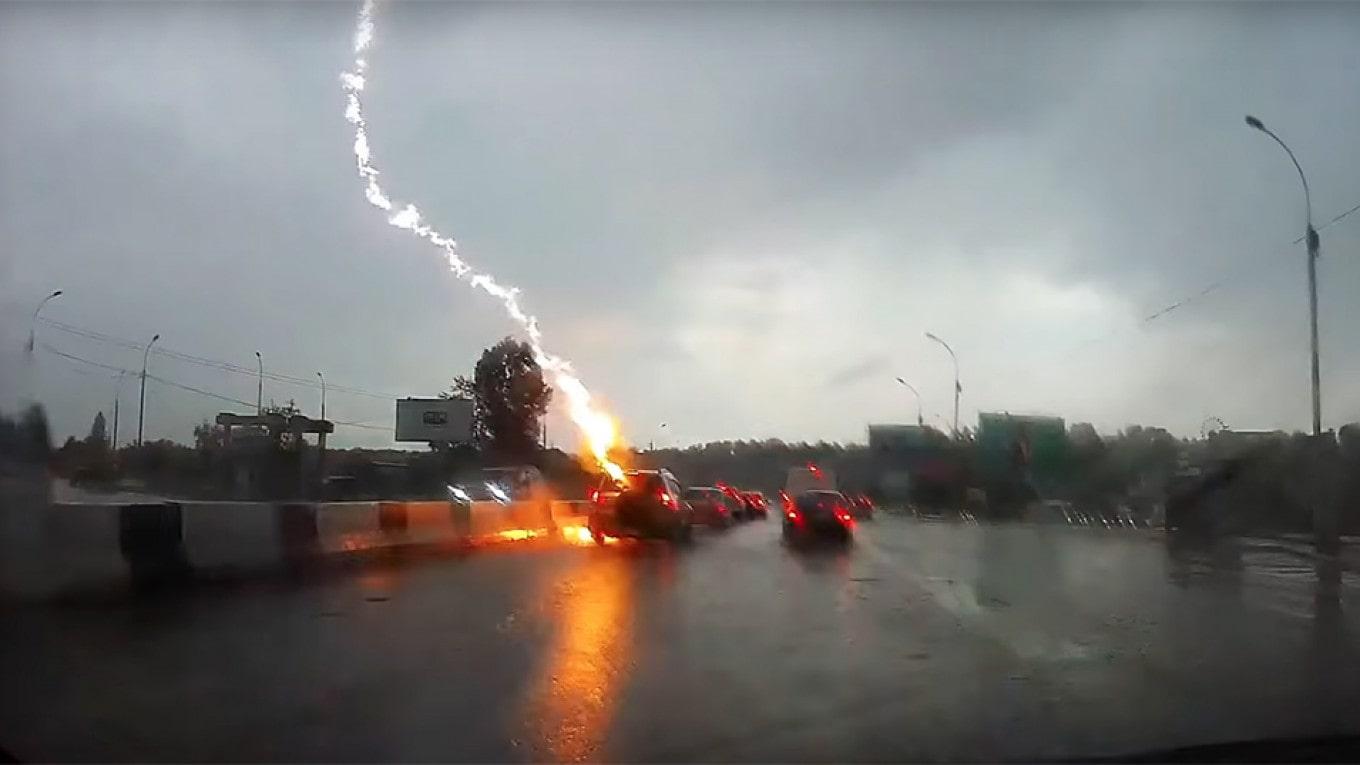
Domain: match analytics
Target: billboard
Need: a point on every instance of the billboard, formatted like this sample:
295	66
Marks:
434	419
1011	444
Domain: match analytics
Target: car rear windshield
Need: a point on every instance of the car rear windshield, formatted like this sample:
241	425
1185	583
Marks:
821	500
641	482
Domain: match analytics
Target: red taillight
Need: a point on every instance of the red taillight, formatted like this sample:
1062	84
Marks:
791	514
843	516
595	496
668	500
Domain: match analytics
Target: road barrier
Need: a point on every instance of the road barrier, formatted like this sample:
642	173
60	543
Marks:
349	526
59	548
226	537
422	522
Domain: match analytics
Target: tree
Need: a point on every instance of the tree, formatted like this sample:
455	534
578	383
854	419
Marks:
509	398
463	387
99	436
35	441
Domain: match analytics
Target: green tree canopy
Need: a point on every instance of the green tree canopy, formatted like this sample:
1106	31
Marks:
509	398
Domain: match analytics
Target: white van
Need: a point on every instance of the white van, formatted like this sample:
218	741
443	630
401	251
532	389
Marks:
809	478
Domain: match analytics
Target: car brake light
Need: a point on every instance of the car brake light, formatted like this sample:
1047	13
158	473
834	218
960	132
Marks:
595	496
843	516
668	500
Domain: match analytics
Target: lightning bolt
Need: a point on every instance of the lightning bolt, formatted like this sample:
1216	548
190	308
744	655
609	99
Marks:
596	426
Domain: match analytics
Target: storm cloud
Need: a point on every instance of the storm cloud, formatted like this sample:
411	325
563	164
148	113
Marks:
713	208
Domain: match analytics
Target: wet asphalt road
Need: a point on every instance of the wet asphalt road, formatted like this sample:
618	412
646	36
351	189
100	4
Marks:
922	641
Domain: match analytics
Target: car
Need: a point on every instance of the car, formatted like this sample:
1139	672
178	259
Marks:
647	504
757	503
809	478
861	507
744	511
712	506
520	489
818	514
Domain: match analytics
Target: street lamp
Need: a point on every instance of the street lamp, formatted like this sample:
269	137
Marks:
919	419
259	386
957	387
117	397
323	394
141	404
32	323
1311	235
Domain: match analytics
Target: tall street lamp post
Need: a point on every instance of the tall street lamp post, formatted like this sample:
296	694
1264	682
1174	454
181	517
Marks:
323	394
919	419
141	404
117	397
32	323
1311	235
957	387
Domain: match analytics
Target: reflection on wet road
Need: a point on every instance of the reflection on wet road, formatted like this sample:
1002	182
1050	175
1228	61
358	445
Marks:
921	641
571	705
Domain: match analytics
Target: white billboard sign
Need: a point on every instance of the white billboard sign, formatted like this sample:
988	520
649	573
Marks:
434	419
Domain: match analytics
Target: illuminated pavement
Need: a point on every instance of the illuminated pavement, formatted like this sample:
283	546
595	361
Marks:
923	641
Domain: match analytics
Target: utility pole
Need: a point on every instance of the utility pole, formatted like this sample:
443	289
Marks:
1311	235
321	440
141	405
919	419
259	386
33	322
1323	457
117	396
957	387
323	394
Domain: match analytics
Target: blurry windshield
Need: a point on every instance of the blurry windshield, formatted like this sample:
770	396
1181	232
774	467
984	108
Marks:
355	357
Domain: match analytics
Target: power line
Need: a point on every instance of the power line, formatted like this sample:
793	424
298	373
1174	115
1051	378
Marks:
1204	292
211	363
182	386
1235	277
1330	222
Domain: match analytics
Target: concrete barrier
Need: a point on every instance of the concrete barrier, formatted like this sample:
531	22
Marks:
74	547
80	549
423	522
568	512
100	547
490	519
151	539
230	536
349	526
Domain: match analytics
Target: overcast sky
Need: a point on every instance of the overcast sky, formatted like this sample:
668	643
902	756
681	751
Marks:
737	219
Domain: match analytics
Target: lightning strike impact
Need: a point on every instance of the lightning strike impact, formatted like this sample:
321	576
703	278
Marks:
597	427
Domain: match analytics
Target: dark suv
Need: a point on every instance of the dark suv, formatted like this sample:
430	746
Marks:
647	504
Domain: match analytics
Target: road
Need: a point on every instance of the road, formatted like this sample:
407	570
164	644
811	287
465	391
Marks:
922	641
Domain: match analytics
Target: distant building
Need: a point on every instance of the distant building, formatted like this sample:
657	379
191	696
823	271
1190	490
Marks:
912	462
887	438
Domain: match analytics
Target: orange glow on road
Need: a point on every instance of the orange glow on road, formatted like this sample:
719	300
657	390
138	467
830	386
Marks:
577	535
515	535
580	535
570	706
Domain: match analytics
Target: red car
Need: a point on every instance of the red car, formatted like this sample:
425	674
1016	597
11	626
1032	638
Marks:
757	503
745	511
861	507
